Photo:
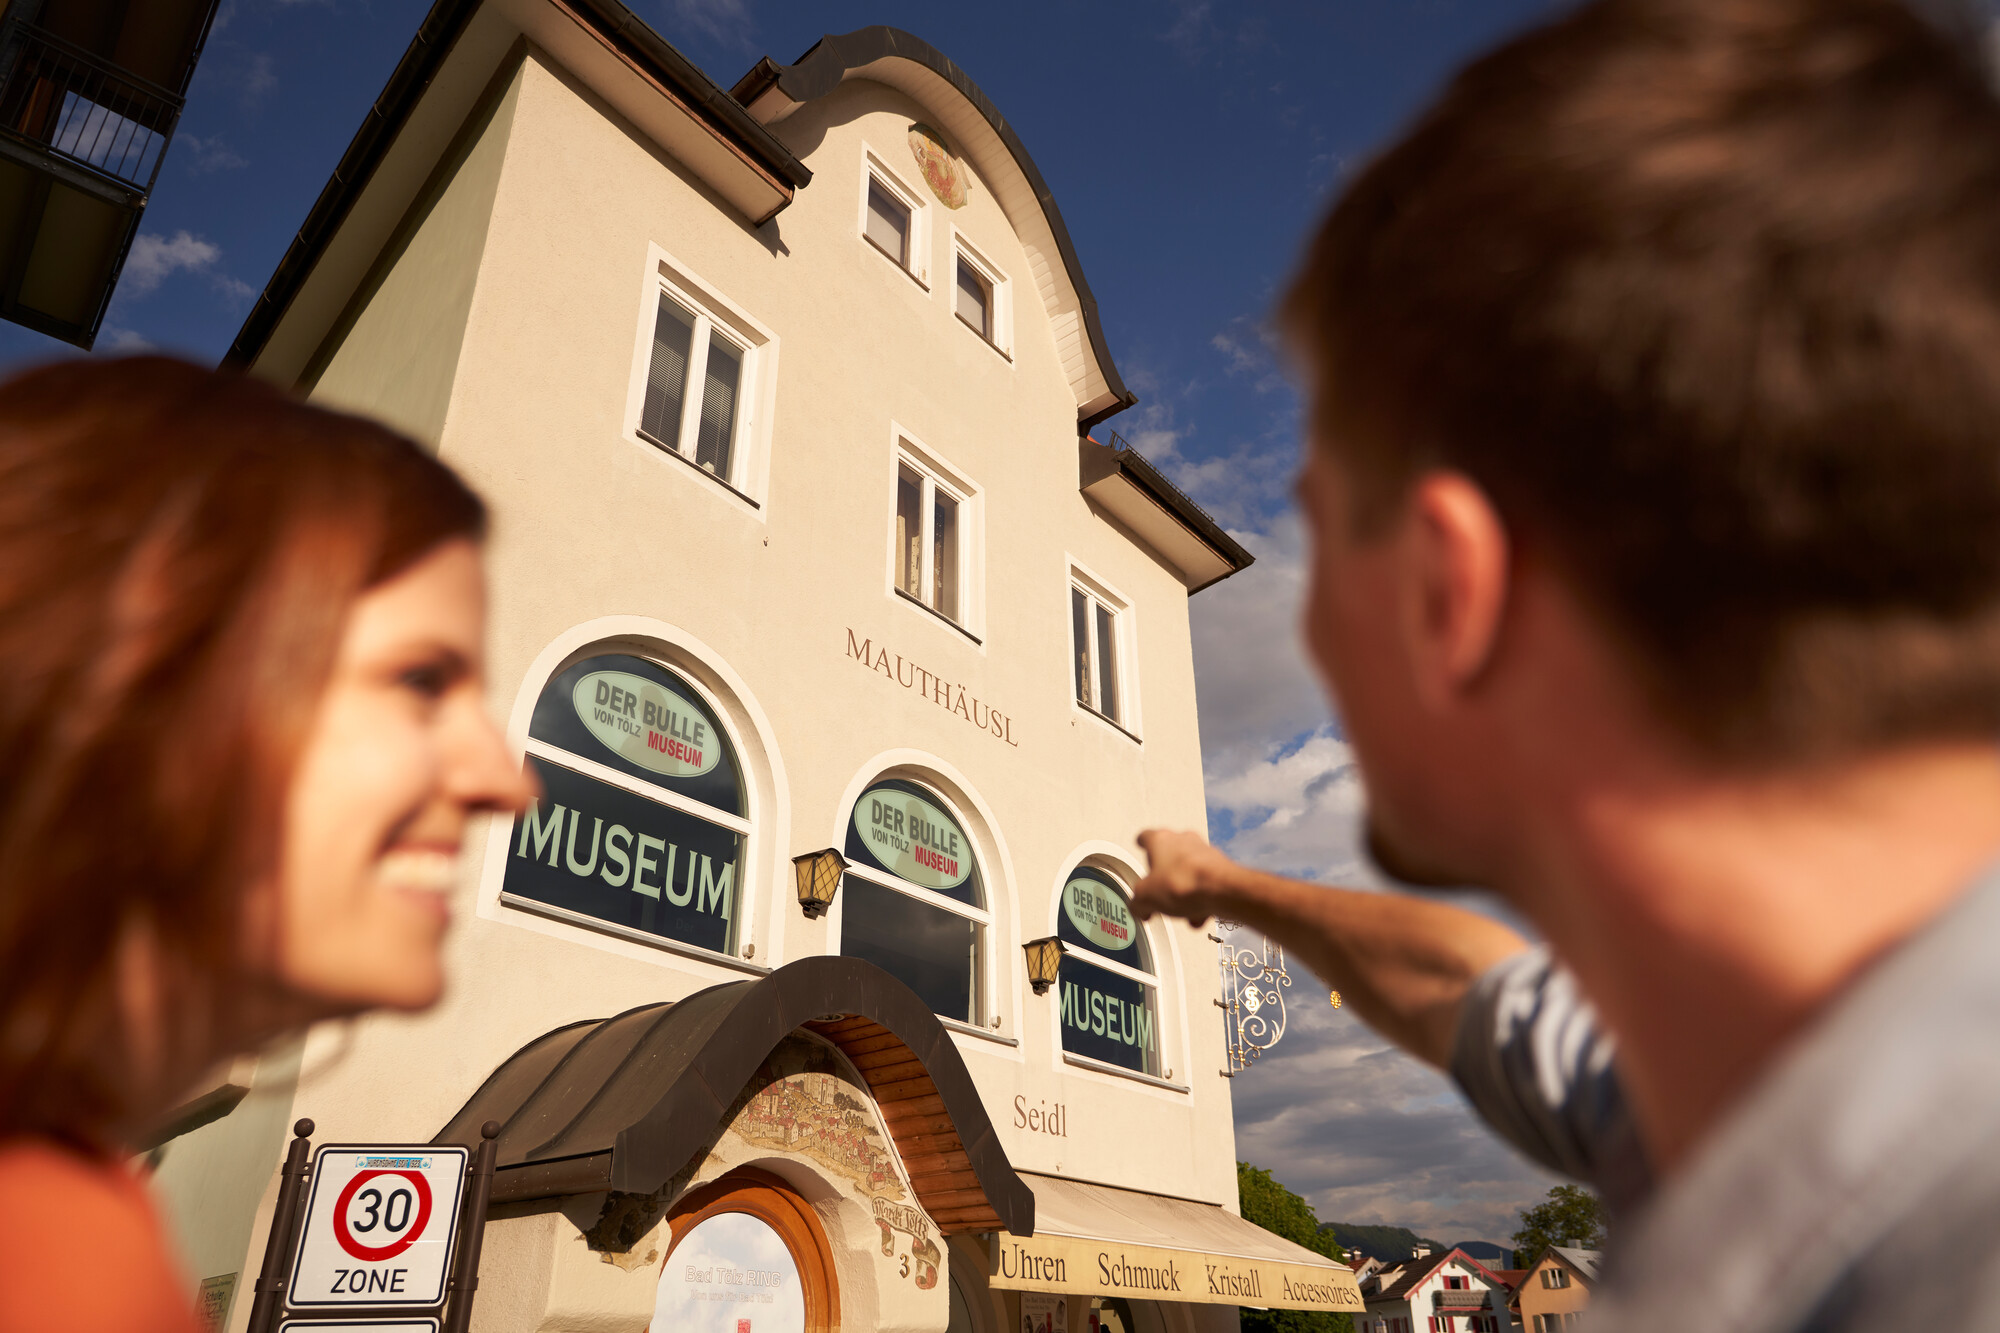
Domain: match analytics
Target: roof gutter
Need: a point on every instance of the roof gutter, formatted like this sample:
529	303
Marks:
439	32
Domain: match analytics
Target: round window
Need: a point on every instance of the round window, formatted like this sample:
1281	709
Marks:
731	1273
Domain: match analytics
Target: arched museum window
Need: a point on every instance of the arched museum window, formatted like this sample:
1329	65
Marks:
641	824
1110	997
913	902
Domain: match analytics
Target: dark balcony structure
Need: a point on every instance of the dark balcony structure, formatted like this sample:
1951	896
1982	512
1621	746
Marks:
90	93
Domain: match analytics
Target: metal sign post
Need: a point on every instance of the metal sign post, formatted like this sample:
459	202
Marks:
375	1237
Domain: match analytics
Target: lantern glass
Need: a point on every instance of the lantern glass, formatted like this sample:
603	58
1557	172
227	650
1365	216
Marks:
1044	962
818	879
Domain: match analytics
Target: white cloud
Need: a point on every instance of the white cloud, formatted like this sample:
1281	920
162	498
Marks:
1368	1134
1257	689
1298	811
726	21
211	154
234	290
1250	348
260	76
1190	27
123	341
154	259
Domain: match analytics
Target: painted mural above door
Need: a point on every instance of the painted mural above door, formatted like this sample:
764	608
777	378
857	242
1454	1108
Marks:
805	1101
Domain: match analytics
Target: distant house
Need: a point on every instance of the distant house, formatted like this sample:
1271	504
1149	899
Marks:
1445	1293
1555	1290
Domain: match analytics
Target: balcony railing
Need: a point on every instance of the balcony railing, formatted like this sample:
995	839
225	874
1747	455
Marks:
1460	1301
77	107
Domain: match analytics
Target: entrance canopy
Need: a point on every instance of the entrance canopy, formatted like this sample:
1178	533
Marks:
1097	1240
625	1103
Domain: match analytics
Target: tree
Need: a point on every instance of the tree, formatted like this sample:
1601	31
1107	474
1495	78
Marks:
1276	1209
1571	1215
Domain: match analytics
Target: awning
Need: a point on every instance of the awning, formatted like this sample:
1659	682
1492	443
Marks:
1097	1240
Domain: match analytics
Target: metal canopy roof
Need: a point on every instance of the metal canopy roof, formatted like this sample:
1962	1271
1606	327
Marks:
625	1103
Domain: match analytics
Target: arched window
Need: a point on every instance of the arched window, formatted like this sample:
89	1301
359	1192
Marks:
1110	1005
641	822
913	902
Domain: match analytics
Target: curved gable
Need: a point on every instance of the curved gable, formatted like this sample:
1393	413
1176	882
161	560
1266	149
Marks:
919	70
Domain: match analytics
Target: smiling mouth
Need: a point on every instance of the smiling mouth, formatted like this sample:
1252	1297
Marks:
426	870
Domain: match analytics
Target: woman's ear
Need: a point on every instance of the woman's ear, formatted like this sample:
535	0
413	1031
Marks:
1457	571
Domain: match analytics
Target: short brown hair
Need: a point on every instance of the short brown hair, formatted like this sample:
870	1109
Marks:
178	553
1706	294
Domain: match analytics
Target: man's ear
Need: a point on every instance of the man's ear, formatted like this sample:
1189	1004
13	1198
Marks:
1457	571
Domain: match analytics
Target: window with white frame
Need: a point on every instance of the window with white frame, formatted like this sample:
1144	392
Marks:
641	821
913	901
934	539
980	295
700	385
893	217
1095	622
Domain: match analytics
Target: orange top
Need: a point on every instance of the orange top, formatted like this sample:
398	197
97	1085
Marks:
81	1249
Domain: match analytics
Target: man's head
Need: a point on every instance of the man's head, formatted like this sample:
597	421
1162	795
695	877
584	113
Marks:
1698	301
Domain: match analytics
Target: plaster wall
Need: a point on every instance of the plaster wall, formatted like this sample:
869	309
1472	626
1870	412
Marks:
600	535
395	351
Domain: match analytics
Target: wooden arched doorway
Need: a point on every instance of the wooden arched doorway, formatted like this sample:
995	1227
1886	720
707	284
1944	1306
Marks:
739	1212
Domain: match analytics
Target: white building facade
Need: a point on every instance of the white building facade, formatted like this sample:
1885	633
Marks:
781	398
1435	1293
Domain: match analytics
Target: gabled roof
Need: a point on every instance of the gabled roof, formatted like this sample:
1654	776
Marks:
982	135
642	74
1583	1261
1419	1270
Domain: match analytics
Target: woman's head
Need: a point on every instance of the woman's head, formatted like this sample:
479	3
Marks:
240	716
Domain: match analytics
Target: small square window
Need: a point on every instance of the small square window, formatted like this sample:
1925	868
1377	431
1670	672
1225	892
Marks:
888	222
1094	625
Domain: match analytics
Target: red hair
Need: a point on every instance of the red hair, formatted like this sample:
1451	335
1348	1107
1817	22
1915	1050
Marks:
179	550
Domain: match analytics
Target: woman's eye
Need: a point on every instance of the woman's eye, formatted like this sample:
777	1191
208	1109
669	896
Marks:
428	681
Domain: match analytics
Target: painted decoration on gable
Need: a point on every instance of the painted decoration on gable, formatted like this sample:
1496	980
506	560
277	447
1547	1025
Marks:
804	1101
941	170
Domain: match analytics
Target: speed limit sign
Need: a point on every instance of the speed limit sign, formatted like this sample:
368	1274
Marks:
379	1227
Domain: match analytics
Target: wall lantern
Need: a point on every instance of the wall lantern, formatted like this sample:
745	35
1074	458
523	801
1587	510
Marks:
819	879
1044	959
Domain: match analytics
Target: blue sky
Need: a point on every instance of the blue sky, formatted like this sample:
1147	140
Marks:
1191	146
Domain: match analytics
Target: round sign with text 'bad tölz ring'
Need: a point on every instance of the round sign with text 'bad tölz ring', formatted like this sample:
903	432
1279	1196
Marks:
731	1273
380	1226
